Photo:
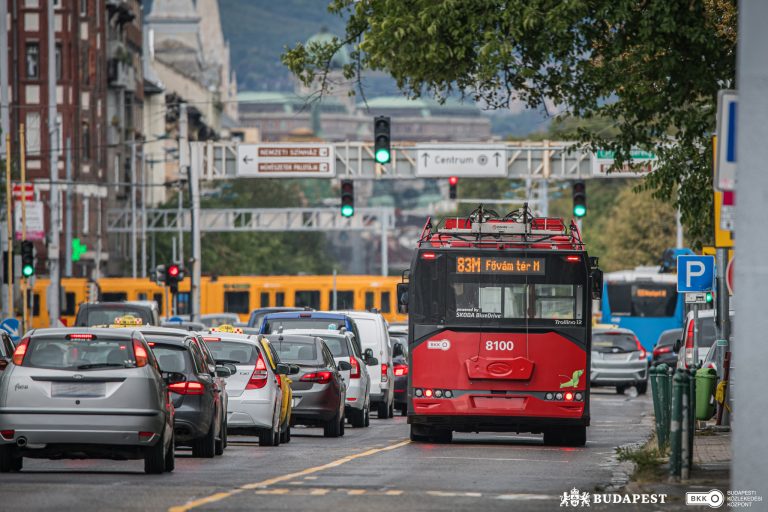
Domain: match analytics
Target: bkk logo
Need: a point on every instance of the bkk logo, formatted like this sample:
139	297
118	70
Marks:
439	345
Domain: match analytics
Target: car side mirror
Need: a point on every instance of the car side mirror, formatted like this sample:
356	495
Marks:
344	366
678	345
367	353
402	297
223	371
173	377
3	364
294	369
397	350
283	368
371	361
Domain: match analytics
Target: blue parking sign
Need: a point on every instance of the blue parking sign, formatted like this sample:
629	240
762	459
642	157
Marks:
695	273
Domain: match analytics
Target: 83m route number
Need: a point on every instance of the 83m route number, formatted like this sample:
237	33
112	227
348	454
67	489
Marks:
499	345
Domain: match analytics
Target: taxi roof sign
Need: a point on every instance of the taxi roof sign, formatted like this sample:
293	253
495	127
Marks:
127	321
231	329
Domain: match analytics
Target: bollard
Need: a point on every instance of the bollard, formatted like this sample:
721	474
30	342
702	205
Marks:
691	413
676	424
686	434
659	376
666	391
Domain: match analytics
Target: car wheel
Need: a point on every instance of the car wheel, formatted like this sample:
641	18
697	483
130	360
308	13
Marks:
205	447
620	390
333	427
368	416
285	436
383	410
357	417
420	434
170	456
154	458
391	410
9	460
342	426
642	387
267	437
442	436
404	410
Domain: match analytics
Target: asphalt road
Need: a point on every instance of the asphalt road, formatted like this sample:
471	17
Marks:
372	469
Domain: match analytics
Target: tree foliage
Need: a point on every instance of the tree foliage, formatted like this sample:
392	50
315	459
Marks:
653	67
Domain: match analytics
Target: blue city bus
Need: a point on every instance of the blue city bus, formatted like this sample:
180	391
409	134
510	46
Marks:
644	301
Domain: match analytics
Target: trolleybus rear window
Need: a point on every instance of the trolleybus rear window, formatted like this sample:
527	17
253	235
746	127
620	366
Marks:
642	299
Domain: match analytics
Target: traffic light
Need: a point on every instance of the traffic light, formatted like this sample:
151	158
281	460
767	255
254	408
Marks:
579	199
453	183
347	198
27	258
174	274
709	297
381	137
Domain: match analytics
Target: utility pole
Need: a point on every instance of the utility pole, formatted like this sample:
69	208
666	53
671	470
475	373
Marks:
750	452
5	120
9	225
134	230
54	291
184	164
143	215
68	221
196	163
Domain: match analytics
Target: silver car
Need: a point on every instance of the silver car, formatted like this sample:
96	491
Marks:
85	393
618	359
343	347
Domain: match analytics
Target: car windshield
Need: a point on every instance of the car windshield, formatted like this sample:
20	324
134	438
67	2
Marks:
297	352
172	358
613	342
215	321
107	316
668	338
337	345
326	324
79	354
233	352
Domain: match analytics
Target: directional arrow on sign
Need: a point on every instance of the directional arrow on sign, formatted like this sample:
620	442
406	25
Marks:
426	158
496	155
247	159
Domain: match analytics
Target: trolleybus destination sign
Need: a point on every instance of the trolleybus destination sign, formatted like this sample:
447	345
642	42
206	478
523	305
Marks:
496	265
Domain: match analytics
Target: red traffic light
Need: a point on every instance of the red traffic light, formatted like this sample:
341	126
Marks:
453	180
173	270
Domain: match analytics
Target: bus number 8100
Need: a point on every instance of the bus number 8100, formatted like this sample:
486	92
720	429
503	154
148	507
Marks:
499	345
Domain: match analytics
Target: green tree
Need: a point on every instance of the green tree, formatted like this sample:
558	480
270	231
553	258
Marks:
654	67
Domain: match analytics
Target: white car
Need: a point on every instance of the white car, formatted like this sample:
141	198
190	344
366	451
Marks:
705	338
343	347
254	394
374	340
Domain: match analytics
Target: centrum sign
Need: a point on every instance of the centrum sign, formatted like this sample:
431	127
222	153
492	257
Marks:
465	160
282	160
642	162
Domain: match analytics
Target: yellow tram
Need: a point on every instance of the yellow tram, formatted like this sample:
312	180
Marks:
230	294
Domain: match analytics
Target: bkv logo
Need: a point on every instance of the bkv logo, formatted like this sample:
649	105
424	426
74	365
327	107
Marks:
575	498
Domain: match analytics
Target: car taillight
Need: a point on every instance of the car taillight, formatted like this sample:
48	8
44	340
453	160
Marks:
643	353
662	350
689	345
384	368
81	336
259	376
140	354
20	352
401	369
190	387
7	434
355	372
318	377
279	381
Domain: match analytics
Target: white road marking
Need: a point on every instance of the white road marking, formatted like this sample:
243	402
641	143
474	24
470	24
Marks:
525	497
500	459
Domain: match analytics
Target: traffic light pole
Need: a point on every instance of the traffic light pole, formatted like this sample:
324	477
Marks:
196	160
9	225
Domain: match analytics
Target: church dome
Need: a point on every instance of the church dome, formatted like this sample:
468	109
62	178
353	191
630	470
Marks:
340	58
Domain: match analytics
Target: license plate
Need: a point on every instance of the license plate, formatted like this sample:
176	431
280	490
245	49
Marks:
615	357
78	389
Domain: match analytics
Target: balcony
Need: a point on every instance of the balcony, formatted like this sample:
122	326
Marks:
121	75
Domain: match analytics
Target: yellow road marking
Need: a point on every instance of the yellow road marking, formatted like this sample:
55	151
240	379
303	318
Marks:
393	493
356	492
273	491
319	492
219	496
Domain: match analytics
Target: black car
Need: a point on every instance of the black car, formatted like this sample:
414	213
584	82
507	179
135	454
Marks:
6	350
257	315
319	391
664	351
92	314
200	413
400	364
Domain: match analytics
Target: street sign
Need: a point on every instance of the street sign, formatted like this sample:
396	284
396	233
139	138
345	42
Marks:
12	327
29	191
725	163
35	220
280	160
471	161
642	162
696	298
695	273
729	276
724	236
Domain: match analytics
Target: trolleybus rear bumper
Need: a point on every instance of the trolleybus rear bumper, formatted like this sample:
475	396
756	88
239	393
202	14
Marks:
496	423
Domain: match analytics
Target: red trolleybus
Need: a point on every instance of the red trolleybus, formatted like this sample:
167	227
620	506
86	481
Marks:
499	325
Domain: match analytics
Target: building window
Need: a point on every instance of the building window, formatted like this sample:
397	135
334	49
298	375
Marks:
86	227
86	142
84	66
59	63
33	60
32	133
237	302
83	7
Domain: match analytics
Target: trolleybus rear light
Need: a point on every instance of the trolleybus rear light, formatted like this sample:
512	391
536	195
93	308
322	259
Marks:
438	393
428	255
579	397
418	393
448	393
558	396
549	396
569	396
428	393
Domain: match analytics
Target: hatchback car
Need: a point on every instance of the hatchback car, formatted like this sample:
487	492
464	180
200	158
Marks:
6	350
358	382
618	359
705	334
319	391
200	414
664	350
92	314
257	315
254	392
85	393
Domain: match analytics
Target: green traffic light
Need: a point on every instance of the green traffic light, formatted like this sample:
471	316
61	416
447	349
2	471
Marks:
347	210
28	270
709	297
579	210
382	156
